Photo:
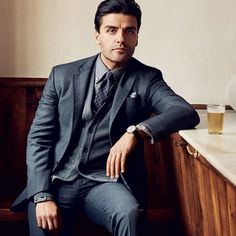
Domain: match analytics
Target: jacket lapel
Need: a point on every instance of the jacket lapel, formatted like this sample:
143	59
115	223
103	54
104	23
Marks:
81	85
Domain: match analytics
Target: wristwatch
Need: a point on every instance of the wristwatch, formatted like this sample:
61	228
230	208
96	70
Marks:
133	130
140	132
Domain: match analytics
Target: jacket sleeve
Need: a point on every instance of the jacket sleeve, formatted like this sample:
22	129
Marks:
41	139
173	112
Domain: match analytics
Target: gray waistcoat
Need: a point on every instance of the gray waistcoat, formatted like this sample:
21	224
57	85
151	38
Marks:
89	157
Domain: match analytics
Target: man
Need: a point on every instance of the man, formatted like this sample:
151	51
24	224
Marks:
85	149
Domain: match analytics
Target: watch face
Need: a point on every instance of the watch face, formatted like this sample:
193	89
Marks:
131	129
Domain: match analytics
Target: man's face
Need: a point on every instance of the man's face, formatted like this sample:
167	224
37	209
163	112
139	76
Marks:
117	38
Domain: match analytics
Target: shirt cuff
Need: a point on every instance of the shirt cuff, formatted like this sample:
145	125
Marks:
146	131
42	197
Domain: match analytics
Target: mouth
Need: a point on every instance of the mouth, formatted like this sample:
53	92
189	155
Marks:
120	49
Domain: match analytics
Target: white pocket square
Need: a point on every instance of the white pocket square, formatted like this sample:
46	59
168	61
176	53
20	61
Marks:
133	95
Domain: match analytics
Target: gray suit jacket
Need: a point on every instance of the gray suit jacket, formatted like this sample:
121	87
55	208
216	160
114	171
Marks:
141	92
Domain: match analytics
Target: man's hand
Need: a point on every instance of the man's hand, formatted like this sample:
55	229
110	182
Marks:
118	155
47	215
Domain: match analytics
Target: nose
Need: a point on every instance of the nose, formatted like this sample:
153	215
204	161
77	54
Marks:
120	36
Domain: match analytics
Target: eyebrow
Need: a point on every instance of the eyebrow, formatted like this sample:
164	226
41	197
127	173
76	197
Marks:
115	27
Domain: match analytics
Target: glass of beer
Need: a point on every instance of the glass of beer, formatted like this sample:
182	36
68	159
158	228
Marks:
215	118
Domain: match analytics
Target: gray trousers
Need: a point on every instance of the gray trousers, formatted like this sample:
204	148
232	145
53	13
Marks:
110	205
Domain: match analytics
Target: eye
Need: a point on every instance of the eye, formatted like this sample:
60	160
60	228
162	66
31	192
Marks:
130	31
111	30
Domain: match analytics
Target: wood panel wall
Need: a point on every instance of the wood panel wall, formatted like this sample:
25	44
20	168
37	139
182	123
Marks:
18	101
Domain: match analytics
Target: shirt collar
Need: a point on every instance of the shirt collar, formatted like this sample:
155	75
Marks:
101	69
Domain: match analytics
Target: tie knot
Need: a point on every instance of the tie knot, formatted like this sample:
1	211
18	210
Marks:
109	74
104	90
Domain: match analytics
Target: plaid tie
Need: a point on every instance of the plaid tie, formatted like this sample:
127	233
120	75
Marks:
104	90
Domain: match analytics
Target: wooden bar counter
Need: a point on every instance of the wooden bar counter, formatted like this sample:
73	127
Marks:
205	173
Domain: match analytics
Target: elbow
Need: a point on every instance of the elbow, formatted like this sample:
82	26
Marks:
193	119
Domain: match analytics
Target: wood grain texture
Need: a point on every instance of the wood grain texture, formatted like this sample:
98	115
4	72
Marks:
207	200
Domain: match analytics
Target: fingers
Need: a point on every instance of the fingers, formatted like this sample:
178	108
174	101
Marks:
123	161
56	223
108	172
118	154
47	216
111	166
50	223
115	164
39	222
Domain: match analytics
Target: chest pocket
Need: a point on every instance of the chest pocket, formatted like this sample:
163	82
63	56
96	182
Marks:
132	109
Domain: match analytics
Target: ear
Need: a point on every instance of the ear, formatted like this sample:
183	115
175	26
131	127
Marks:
97	37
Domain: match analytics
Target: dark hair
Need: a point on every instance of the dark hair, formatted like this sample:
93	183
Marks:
126	7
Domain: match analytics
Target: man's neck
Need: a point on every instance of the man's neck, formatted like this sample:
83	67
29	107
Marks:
111	65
